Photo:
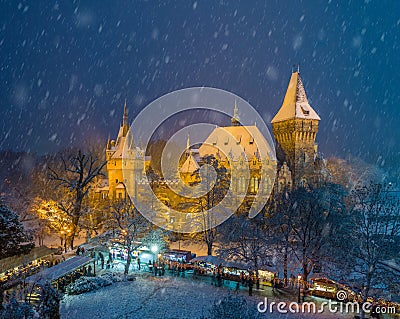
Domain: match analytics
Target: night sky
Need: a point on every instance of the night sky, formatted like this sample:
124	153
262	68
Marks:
66	67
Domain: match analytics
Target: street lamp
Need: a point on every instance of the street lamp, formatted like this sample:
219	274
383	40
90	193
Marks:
62	237
154	249
68	233
64	232
299	289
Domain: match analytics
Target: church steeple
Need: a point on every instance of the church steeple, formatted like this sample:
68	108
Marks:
125	117
235	119
188	144
125	121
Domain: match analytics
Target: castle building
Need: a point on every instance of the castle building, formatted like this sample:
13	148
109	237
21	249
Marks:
236	145
294	127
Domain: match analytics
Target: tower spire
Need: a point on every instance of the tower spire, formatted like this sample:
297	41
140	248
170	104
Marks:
188	144
235	119
108	142
125	117
125	121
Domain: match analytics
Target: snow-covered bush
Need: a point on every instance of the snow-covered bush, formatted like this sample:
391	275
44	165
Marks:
85	284
113	277
17	310
49	305
233	307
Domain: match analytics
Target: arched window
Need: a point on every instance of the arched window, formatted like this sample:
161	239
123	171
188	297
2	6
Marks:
241	185
267	183
255	184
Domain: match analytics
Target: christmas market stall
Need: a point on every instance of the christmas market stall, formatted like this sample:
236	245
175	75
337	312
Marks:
64	273
178	255
16	268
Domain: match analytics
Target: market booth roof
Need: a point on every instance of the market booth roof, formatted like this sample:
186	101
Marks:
16	261
209	259
51	274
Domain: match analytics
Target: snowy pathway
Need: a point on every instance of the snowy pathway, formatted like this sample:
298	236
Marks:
157	298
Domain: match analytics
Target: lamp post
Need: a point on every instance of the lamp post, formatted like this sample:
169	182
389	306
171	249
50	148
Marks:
65	242
299	291
154	249
64	232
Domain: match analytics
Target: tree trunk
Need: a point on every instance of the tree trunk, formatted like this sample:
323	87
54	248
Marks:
366	293
71	238
285	266
128	262
75	223
305	275
209	248
76	215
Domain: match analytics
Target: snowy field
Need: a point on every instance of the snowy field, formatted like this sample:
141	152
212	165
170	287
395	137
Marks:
159	297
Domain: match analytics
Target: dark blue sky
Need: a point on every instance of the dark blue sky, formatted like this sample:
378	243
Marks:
66	67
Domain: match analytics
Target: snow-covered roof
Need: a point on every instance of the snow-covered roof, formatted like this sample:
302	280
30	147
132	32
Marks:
233	141
120	186
16	261
51	274
190	165
209	259
295	104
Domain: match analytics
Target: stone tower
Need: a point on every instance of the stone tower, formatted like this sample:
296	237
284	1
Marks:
125	162
295	127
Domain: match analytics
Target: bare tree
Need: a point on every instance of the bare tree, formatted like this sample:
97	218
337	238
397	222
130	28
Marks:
246	240
282	208
76	175
373	235
211	199
129	225
316	216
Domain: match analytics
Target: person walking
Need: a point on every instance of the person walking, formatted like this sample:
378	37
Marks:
101	257
219	279
138	262
251	282
155	268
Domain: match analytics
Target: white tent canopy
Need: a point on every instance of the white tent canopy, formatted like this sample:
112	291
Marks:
51	274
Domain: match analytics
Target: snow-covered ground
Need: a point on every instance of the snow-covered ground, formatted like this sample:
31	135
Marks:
160	297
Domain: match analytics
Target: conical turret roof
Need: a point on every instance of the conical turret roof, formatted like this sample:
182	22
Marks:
295	105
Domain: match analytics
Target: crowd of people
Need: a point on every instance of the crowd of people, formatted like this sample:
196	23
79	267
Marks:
218	275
